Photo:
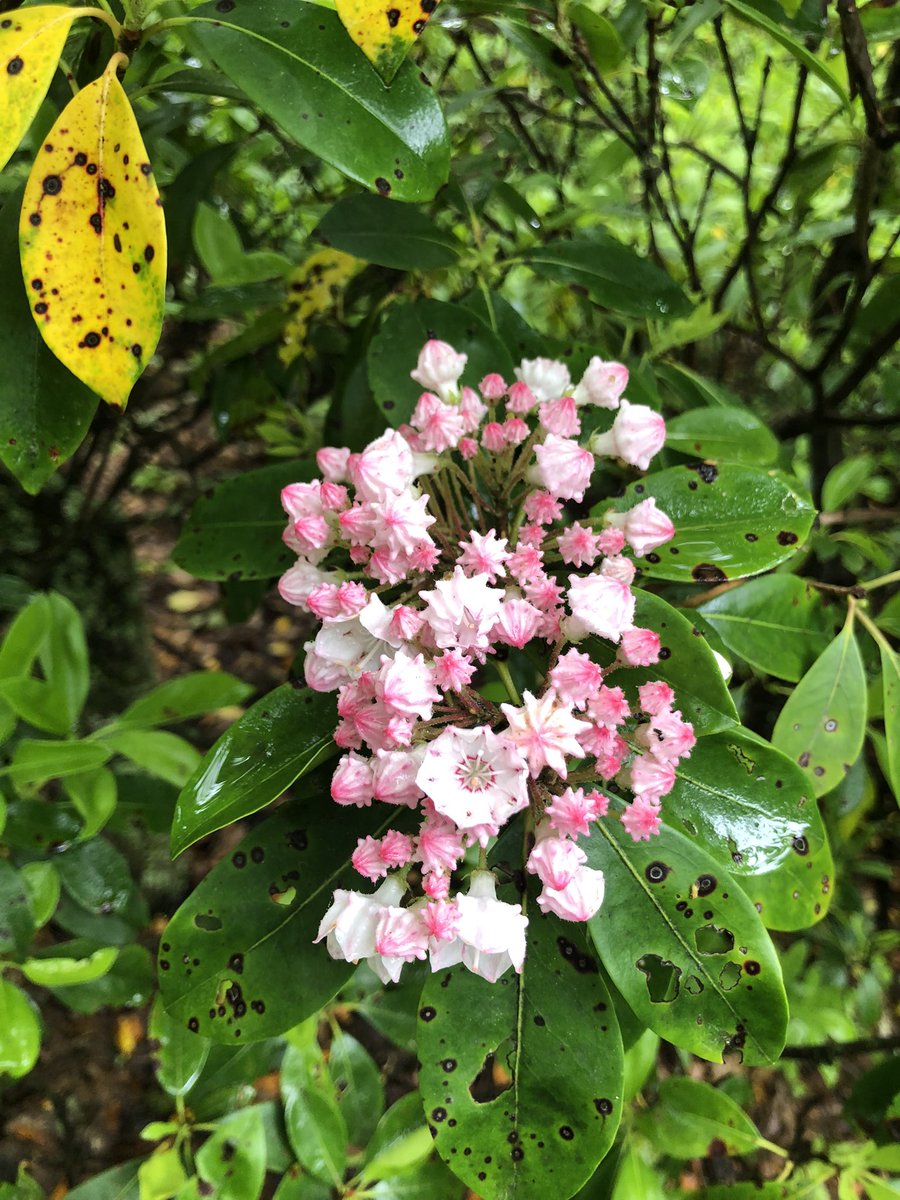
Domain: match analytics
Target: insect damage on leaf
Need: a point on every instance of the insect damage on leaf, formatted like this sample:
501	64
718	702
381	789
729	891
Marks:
93	241
385	32
31	41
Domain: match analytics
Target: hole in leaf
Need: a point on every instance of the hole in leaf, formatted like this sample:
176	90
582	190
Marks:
730	976
711	939
491	1081
208	922
662	978
285	898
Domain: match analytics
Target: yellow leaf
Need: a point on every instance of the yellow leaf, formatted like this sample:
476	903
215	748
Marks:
385	32
315	287
31	41
93	241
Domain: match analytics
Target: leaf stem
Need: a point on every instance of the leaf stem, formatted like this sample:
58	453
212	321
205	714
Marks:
882	581
874	631
511	690
104	14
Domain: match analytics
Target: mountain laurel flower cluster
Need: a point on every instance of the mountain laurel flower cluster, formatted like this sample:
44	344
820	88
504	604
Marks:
443	565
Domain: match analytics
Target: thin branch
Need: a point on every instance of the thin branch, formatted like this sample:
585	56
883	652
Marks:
830	1051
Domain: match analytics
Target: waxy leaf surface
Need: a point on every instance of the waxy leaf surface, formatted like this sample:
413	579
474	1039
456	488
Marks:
685	661
777	623
755	812
237	959
93	242
283	736
553	1028
686	948
730	521
294	61
383	32
823	723
31	41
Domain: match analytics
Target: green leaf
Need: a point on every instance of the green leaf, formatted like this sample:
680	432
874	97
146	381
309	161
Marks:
686	662
612	275
730	521
753	810
181	1054
394	350
234	532
823	723
233	1160
401	1139
780	35
295	1185
283	736
38	761
44	410
119	1183
54	703
359	1089
60	970
42	885
161	1175
691	1115
23	640
162	754
16	919
890	675
686	948
192	184
600	35
298	70
315	1125
428	1181
390	235
257	910
184	697
94	794
554	1029
129	982
777	623
96	876
729	435
20	1032
845	480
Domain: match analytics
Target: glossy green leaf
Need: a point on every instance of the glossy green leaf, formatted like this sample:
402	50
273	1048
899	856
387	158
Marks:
187	696
162	1174
600	35
24	638
407	327
53	703
388	234
686	662
778	624
42	885
357	1082
45	411
823	723
401	1139
691	1115
38	761
890	675
282	737
298	68
20	1032
686	948
730	435
554	1029
612	275
94	794
179	1056
234	531
96	876
162	754
233	1160
16	918
730	521
61	970
297	1185
315	1125
793	45
754	811
128	983
428	1181
223	954
845	480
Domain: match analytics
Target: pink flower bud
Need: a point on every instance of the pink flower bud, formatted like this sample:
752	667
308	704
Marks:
493	387
439	368
493	437
560	416
602	384
637	434
639	647
332	462
521	398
